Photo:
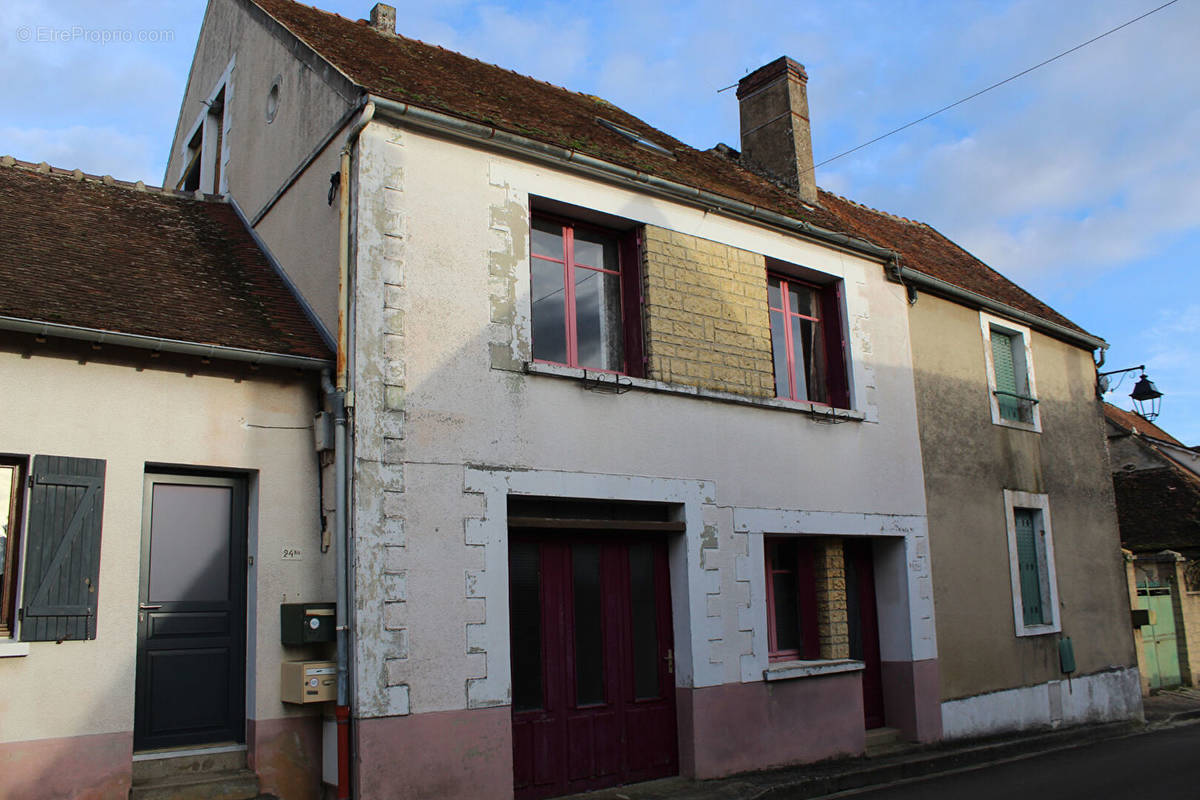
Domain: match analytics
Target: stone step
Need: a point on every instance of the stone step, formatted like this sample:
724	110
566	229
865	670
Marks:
179	762
241	784
885	741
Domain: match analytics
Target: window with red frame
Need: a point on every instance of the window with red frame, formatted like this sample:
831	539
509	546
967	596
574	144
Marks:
806	341
791	599
585	296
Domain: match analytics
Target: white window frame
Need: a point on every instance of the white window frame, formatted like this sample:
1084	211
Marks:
988	323
205	124
1049	578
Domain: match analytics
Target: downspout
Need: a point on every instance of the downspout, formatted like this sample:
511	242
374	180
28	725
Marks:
341	396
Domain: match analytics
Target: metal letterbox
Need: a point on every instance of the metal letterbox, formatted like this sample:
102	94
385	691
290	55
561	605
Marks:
305	623
308	681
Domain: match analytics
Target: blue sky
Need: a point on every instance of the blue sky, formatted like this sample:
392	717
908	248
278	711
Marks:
1080	181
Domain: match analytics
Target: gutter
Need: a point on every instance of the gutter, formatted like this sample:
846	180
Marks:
908	275
159	344
591	166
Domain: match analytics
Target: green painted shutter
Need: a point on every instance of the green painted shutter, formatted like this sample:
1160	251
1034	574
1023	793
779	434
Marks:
1006	374
62	549
1029	567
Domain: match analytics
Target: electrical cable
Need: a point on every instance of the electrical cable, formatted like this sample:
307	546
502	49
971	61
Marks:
994	85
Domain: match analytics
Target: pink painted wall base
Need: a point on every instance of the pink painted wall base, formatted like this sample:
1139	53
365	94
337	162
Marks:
97	767
445	754
286	754
747	726
912	699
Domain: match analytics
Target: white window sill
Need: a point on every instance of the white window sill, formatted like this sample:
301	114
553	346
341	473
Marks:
1032	427
1038	630
786	670
14	649
623	383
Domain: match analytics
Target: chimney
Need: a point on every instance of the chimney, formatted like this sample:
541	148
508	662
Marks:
776	136
383	18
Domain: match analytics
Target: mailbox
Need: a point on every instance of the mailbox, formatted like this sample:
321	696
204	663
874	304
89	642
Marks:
308	681
306	623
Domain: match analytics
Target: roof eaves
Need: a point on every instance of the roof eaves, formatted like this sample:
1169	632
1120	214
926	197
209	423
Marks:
475	133
161	344
968	297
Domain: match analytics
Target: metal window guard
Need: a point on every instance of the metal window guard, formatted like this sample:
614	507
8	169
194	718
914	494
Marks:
1026	398
606	382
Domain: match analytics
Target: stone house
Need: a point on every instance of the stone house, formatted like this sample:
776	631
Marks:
630	434
156	458
1156	478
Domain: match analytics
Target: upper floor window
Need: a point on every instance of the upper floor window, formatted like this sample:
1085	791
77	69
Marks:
806	341
584	285
1010	373
12	490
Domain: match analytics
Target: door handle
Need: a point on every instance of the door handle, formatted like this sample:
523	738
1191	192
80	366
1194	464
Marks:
670	659
145	607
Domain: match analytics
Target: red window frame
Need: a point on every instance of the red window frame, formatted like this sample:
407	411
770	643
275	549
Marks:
805	599
828	299
12	549
628	274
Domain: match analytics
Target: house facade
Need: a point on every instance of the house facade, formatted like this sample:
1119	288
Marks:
638	439
1022	527
1156	478
746	574
157	467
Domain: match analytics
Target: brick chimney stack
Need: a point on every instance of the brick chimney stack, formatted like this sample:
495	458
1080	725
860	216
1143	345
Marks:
776	136
383	18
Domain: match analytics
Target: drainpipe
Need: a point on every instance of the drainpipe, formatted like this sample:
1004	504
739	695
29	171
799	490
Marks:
341	396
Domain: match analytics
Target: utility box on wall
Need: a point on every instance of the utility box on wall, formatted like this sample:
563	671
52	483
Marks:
308	681
307	623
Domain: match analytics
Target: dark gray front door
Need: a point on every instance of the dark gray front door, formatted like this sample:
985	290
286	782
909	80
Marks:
191	660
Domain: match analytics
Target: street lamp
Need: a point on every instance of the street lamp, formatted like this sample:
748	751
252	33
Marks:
1147	399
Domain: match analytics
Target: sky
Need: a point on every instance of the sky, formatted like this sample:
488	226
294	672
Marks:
1079	181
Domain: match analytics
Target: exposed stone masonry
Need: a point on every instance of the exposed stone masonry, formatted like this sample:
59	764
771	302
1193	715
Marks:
706	314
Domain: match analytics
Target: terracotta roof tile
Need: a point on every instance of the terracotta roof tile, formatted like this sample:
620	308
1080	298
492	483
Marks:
98	253
409	71
1159	509
924	249
1132	422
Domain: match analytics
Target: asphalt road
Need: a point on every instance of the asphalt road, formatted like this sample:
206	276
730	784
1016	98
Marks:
1164	765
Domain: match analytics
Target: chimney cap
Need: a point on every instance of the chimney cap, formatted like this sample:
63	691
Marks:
769	73
383	18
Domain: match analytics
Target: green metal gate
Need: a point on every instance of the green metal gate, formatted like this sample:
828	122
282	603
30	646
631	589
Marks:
1159	643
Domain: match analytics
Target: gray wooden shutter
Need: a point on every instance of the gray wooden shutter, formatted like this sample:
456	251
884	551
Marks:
1004	367
62	549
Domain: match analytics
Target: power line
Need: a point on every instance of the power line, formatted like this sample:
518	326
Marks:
994	85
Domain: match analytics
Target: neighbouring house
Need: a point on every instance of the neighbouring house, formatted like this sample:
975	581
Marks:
1022	529
632	433
156	459
1157	482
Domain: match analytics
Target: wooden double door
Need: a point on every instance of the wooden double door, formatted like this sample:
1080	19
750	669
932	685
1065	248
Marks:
592	662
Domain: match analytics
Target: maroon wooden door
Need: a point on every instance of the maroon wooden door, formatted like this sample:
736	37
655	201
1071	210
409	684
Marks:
592	663
864	626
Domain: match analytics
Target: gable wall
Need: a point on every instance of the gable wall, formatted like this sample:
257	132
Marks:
260	157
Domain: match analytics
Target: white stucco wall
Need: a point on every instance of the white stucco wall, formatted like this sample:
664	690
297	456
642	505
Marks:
131	417
442	301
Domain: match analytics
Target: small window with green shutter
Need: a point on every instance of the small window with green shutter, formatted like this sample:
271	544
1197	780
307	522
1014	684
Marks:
1012	384
1030	565
1008	357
